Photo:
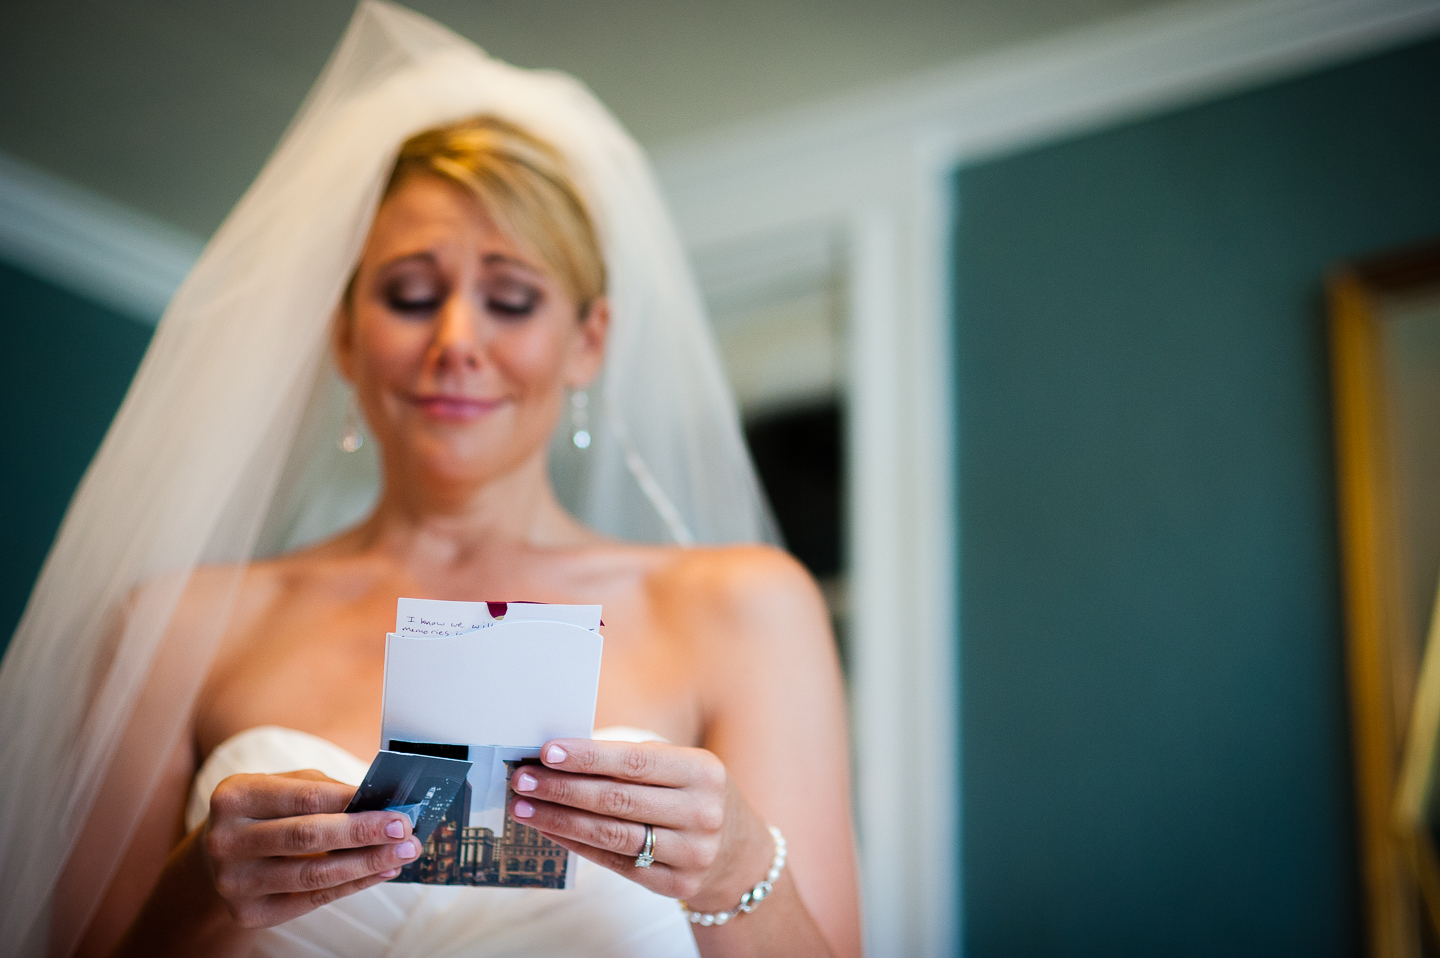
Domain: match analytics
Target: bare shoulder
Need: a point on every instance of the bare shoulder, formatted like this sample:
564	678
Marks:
733	578
230	591
229	596
729	596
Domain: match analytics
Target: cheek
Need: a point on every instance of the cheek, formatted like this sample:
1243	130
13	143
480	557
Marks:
531	355
387	351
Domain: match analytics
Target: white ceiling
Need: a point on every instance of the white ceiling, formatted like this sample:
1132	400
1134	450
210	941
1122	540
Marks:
170	106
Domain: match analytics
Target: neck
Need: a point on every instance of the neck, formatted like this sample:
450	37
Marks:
444	524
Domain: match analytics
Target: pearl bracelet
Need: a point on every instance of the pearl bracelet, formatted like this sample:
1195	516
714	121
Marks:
751	898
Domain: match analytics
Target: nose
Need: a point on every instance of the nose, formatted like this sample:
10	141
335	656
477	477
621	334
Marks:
457	346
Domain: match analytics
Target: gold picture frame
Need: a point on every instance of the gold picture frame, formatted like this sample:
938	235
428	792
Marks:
1385	359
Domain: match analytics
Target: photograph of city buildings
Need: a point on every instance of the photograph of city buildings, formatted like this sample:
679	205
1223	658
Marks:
456	854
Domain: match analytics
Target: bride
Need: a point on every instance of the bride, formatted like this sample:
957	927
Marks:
456	253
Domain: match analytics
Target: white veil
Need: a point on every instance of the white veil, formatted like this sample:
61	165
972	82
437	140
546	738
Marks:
225	446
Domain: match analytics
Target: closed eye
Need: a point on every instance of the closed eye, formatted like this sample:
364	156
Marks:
516	306
414	295
415	307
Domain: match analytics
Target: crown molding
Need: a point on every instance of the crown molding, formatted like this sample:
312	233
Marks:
807	164
1021	97
89	244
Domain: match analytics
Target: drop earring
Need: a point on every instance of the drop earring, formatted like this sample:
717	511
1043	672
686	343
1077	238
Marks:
579	419
352	438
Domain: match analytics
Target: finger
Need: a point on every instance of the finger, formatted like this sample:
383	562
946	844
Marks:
604	833
654	763
671	807
279	796
311	834
308	774
659	877
275	909
304	874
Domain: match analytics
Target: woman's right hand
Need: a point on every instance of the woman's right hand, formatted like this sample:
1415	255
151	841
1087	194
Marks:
278	846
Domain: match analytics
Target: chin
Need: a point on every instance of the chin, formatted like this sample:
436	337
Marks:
466	462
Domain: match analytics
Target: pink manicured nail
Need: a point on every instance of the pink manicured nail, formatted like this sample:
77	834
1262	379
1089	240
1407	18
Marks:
395	829
390	873
406	850
555	755
524	809
525	782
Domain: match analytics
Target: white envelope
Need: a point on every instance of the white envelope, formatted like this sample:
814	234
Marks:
500	679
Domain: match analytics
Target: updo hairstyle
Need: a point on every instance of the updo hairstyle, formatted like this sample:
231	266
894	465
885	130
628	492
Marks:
524	185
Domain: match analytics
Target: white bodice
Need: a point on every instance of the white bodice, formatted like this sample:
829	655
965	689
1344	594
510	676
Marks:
603	915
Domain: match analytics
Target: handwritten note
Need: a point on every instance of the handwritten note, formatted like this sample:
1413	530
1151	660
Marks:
441	618
432	618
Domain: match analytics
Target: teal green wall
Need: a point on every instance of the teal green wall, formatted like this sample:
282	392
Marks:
1154	719
64	366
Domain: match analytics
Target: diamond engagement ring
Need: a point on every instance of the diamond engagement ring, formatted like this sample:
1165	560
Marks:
645	859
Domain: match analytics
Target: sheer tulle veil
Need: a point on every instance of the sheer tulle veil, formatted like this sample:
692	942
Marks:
225	446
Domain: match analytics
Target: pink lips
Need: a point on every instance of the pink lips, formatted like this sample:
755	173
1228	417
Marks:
455	408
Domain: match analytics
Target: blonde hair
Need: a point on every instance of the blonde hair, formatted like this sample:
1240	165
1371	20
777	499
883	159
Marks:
523	184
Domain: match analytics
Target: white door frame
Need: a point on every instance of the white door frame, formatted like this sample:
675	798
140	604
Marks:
878	171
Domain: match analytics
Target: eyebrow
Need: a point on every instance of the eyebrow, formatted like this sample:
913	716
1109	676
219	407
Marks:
493	259
489	259
424	255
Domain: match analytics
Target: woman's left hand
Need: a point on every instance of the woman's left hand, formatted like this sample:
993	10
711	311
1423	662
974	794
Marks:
595	799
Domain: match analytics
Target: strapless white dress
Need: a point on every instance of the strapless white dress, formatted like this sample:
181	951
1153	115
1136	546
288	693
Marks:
603	915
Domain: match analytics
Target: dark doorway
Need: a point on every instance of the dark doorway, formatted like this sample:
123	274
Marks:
799	454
